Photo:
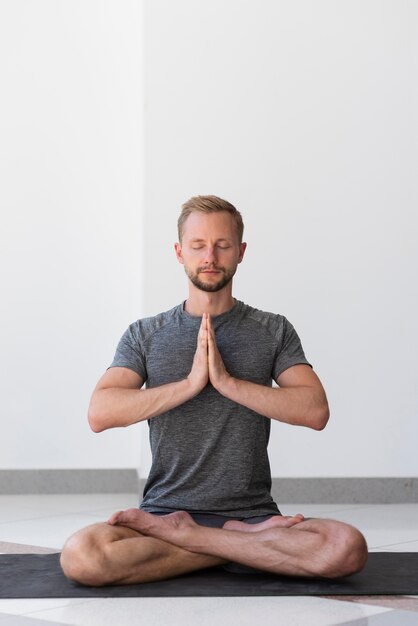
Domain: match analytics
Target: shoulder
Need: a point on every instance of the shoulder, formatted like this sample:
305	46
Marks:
146	327
274	324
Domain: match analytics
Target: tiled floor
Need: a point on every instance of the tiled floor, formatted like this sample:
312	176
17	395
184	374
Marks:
46	521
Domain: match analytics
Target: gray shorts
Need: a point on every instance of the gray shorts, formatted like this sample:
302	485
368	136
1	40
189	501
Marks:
213	520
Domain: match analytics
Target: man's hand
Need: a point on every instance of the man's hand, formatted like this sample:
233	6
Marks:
207	362
217	371
199	374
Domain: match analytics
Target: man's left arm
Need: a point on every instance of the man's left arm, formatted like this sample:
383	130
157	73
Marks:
300	398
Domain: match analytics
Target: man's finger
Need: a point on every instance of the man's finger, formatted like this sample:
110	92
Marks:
202	324
202	336
211	332
212	340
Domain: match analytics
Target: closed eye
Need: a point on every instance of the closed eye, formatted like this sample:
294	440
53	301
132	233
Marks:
200	246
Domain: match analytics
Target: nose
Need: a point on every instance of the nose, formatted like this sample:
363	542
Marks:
210	256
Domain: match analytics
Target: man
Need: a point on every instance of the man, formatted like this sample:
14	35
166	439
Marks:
209	365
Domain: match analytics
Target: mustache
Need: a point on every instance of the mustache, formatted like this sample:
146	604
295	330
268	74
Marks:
218	268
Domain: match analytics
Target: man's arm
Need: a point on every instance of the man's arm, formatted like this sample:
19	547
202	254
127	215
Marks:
118	399
300	398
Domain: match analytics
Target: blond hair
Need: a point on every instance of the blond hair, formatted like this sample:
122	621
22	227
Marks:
209	204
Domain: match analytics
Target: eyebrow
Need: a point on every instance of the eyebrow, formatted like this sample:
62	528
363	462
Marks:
197	240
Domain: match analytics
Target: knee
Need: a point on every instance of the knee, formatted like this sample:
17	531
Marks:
82	558
356	553
347	551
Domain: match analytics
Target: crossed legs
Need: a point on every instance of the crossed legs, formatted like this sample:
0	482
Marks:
135	547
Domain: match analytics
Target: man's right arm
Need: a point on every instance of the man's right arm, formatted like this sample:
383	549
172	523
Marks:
118	399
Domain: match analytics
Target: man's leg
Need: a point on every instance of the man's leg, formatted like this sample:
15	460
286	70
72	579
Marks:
311	547
103	554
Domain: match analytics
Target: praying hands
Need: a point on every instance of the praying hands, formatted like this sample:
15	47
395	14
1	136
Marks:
207	363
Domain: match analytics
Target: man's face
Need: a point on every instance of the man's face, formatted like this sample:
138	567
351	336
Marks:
210	250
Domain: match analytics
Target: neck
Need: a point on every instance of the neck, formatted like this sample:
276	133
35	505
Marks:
216	303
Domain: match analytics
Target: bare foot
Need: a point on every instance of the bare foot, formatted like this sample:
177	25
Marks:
277	521
165	527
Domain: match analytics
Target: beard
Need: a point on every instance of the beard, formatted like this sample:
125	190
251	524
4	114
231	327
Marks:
224	279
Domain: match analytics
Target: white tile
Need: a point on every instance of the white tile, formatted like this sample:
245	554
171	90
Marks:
383	524
23	606
382	514
20	620
391	618
407	546
13	620
50	532
57	504
276	611
393	525
16	514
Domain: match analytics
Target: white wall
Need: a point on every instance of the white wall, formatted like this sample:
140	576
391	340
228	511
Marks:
70	236
301	113
304	115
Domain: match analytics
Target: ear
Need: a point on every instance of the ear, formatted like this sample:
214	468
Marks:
242	249
179	255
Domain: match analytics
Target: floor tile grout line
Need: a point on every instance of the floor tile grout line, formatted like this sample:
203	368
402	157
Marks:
77	602
391	545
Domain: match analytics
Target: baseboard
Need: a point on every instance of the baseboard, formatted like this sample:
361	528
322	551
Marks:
345	490
69	481
284	490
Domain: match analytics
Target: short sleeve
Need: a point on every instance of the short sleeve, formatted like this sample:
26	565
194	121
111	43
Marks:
289	349
129	352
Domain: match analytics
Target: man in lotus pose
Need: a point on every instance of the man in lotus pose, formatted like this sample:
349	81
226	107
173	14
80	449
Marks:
209	365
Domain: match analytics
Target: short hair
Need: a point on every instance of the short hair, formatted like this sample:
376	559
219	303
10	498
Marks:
209	204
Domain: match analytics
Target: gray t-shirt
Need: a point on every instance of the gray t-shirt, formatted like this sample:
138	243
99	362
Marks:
210	453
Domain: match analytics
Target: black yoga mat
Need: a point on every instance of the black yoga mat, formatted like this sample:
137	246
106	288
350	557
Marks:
40	576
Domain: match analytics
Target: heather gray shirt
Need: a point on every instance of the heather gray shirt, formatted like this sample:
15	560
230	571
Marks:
210	453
